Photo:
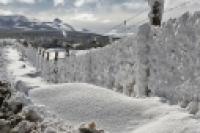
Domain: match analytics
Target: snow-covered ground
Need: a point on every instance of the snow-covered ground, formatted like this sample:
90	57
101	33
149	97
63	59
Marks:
21	70
114	112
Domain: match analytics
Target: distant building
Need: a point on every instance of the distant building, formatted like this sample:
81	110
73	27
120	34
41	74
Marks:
55	54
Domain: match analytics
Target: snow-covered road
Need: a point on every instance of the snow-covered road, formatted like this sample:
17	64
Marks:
116	113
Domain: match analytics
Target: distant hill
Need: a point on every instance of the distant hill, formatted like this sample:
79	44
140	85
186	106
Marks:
20	27
17	22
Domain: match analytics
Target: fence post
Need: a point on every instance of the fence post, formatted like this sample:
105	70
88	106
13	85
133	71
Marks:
43	53
47	56
56	56
55	69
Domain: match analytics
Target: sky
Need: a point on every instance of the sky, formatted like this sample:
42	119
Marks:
95	15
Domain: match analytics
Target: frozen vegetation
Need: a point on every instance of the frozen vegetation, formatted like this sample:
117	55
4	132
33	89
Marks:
174	60
112	66
159	61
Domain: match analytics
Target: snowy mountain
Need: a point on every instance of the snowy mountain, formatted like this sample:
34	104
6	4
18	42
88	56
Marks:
59	25
22	23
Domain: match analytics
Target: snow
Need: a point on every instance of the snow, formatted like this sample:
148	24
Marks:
17	72
171	123
80	52
114	112
79	102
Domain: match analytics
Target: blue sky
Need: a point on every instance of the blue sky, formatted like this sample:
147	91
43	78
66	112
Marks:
97	15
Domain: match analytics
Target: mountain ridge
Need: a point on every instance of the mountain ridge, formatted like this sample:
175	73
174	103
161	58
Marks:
19	22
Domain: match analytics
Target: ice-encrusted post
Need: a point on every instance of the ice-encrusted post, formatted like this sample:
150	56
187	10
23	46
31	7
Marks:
144	41
156	12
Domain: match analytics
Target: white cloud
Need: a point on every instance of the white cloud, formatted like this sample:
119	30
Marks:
59	2
106	21
26	1
79	3
85	17
6	12
5	1
131	5
21	1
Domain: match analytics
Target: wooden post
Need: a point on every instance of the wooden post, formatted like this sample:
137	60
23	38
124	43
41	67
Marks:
56	56
43	53
40	51
48	56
